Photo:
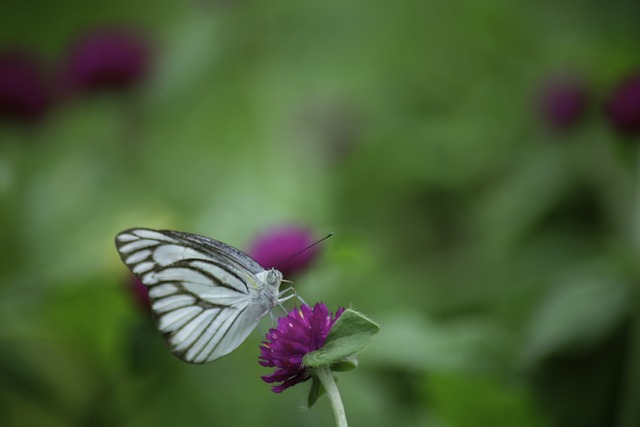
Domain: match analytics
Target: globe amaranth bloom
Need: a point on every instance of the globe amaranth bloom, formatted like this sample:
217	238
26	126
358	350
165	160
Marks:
24	91
278	244
562	102
302	331
623	108
107	58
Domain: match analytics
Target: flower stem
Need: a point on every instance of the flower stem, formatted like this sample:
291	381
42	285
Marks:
326	379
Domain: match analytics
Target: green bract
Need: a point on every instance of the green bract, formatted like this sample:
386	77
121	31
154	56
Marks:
348	336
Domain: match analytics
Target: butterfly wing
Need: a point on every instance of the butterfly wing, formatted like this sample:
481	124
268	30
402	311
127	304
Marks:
222	249
204	294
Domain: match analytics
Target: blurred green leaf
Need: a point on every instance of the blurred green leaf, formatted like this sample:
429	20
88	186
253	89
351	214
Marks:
576	313
416	343
477	401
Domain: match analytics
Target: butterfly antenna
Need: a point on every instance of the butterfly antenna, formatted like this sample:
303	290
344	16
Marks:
302	250
295	295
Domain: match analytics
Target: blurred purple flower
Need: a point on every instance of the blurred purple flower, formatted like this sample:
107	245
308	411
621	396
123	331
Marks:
623	108
276	245
139	293
24	92
302	331
562	102
107	58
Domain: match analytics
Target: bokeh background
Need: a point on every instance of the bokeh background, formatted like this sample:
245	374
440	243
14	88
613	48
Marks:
477	161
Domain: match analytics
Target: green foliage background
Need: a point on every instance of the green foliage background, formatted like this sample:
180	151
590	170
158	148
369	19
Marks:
499	258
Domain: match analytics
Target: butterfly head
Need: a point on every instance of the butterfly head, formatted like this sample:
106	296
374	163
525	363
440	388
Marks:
274	277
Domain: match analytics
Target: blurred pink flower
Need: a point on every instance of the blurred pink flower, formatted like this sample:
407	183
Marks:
562	102
278	244
623	107
24	92
107	58
139	293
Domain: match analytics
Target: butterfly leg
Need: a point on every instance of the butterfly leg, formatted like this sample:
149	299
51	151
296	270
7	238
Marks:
282	296
298	297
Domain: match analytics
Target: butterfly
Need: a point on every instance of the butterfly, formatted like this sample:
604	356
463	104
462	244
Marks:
206	296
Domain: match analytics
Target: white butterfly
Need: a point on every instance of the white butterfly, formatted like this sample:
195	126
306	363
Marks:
206	296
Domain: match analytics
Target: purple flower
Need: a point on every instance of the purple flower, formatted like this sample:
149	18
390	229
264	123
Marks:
24	93
623	108
302	331
108	58
275	246
562	102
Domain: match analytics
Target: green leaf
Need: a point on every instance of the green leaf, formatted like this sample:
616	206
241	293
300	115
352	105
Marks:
315	392
348	336
415	342
577	313
346	364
